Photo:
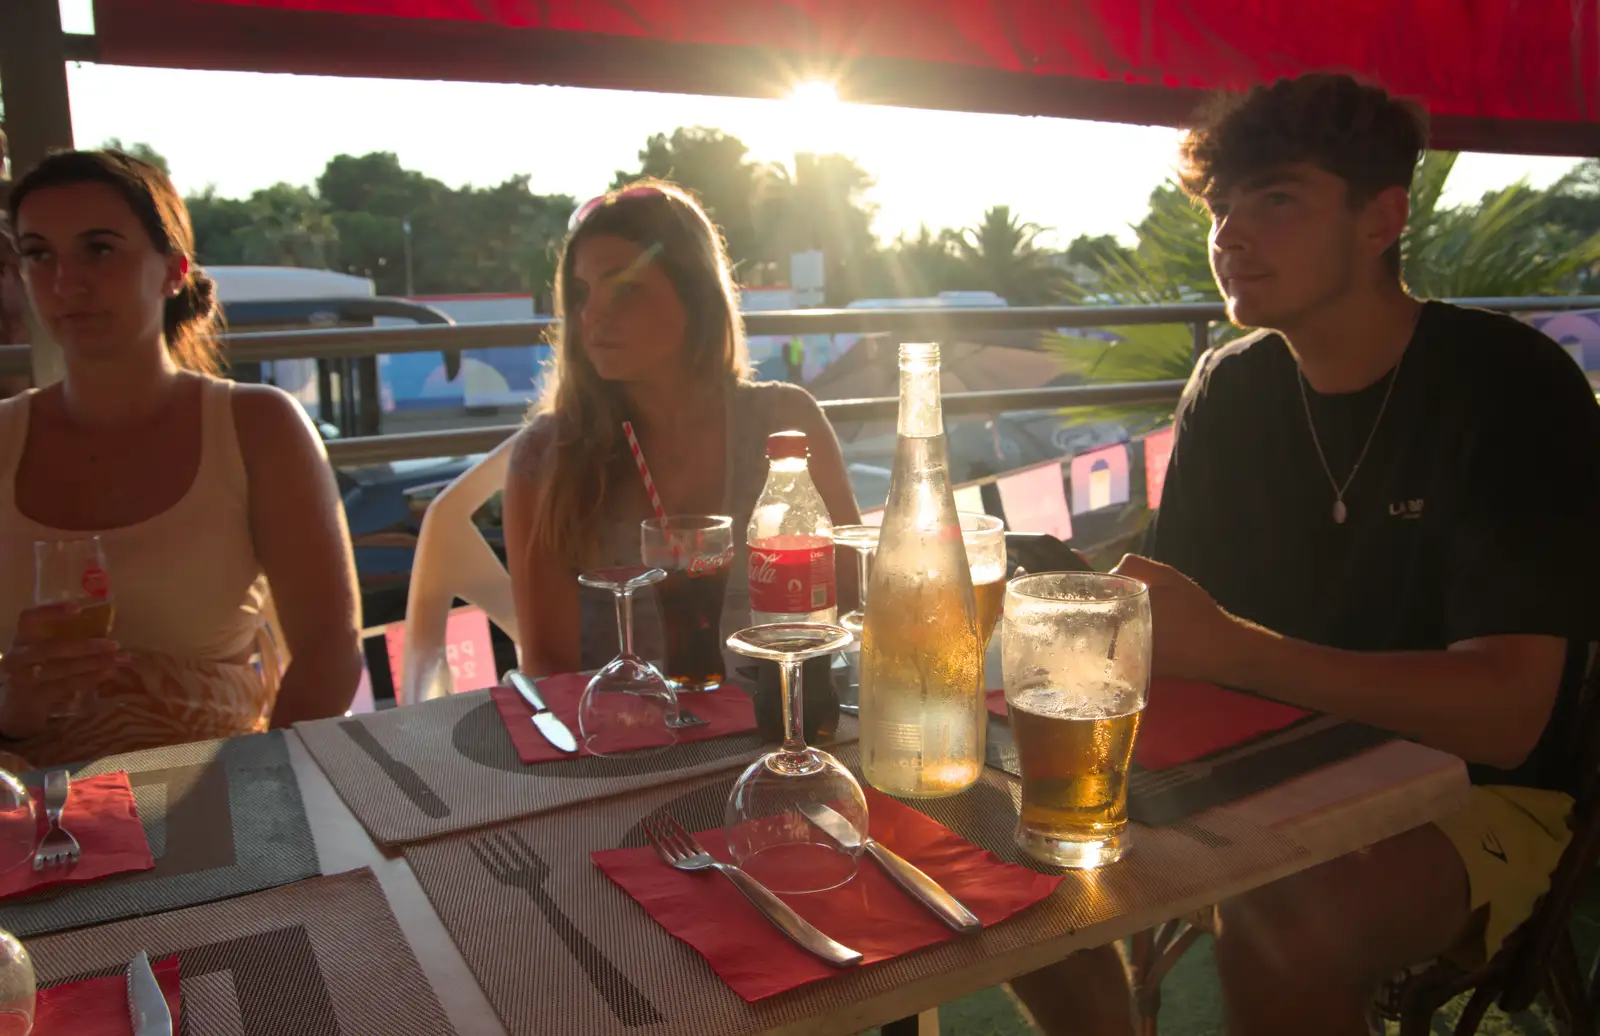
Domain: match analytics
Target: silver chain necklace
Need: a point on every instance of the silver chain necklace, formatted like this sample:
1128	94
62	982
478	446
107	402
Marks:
1340	512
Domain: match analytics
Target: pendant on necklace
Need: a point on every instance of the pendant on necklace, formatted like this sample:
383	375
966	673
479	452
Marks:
1339	512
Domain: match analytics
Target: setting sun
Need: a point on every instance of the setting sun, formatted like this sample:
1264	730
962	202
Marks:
814	116
814	93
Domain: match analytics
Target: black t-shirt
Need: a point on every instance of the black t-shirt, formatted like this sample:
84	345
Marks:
1474	513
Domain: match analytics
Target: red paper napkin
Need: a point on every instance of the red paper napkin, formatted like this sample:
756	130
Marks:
870	914
102	816
726	711
99	1006
1188	720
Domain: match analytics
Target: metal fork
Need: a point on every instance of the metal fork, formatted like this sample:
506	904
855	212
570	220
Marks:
59	848
677	848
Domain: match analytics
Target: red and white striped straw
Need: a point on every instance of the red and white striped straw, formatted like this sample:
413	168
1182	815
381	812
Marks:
644	472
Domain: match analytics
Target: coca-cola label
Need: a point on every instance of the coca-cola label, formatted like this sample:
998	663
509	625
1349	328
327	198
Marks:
792	580
95	583
706	564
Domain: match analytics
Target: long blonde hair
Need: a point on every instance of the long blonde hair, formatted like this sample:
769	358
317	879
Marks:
588	411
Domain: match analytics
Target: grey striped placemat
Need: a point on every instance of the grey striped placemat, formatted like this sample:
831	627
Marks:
557	947
223	818
322	957
448	765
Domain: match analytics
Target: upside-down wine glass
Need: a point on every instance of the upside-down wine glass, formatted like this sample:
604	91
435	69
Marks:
628	706
769	833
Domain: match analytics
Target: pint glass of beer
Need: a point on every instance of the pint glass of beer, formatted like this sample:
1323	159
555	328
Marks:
984	536
696	552
1076	655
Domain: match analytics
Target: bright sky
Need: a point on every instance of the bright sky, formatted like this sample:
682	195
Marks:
241	131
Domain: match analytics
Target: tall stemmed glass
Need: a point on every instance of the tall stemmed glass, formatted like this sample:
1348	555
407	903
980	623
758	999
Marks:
769	832
863	539
628	706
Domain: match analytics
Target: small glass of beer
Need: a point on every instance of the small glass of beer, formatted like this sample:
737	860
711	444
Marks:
696	552
73	571
1076	655
984	536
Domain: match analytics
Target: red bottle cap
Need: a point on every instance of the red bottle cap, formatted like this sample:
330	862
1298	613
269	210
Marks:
787	446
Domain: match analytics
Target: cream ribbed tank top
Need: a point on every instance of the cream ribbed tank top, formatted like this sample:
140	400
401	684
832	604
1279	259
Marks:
186	582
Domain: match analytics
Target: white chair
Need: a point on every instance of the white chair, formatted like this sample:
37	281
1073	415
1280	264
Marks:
453	560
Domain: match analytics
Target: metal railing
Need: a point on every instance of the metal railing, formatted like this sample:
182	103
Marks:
934	324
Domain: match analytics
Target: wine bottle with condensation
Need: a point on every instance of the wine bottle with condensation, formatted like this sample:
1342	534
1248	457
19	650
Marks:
923	721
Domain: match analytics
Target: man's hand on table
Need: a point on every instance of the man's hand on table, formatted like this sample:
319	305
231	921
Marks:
1194	638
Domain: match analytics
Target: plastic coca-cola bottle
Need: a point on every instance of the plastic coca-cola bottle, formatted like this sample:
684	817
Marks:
791	541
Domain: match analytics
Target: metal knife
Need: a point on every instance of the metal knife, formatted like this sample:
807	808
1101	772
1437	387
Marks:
146	1006
549	724
905	874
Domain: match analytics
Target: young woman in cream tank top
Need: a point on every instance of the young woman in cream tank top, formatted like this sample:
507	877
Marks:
214	503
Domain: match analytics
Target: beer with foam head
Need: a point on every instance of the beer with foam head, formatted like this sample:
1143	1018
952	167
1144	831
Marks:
1076	649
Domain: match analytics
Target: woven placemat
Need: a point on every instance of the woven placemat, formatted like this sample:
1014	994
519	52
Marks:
448	765
223	818
322	957
1161	797
548	936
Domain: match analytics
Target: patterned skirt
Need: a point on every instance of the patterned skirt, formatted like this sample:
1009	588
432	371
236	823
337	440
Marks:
156	700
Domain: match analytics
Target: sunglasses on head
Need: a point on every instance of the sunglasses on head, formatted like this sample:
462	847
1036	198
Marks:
584	211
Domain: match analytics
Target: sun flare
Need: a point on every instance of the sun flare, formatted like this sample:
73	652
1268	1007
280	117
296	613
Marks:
814	93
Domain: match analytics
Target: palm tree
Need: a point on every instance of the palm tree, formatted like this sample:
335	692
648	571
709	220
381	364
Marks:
1508	244
1002	255
820	207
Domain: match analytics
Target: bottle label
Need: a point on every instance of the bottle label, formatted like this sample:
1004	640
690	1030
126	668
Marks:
791	580
95	583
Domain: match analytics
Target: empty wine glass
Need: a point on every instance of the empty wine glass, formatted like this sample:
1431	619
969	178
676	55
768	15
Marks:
19	991
18	822
769	817
628	706
863	539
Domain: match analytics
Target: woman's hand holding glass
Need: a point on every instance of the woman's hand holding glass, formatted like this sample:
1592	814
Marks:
51	668
62	649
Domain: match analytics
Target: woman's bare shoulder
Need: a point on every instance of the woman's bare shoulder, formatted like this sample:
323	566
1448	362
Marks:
780	404
534	443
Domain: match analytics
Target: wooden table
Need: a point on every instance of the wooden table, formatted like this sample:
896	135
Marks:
1333	811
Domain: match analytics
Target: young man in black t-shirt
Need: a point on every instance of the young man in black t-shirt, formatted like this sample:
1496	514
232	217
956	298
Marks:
1383	509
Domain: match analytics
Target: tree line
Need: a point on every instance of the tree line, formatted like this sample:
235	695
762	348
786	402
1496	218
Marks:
504	238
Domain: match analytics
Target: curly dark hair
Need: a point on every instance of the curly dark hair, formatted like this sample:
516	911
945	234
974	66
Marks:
1359	132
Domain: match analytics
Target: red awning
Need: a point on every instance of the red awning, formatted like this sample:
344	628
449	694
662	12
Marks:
1498	75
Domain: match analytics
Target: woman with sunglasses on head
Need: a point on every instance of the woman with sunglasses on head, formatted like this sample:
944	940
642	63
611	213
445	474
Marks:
650	333
214	502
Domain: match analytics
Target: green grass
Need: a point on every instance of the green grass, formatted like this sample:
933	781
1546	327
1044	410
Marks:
1191	1002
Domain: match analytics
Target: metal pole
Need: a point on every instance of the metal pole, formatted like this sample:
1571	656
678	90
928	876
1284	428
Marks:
411	286
33	81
